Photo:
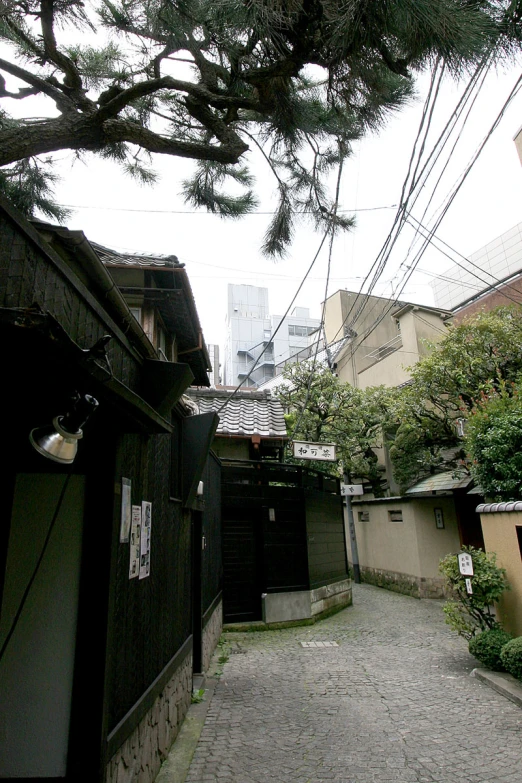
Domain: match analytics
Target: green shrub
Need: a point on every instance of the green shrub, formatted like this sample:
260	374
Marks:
487	646
494	443
470	614
511	657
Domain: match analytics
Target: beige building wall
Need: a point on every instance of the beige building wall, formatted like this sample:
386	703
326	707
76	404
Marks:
382	354
500	536
387	545
435	543
404	556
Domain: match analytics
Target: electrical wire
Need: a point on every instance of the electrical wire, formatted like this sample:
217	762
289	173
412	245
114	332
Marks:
212	214
418	183
473	274
449	200
379	264
330	251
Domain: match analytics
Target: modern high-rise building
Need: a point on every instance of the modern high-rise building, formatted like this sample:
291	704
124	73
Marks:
214	375
257	341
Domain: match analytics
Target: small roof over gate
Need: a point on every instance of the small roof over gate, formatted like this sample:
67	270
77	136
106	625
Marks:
246	414
440	482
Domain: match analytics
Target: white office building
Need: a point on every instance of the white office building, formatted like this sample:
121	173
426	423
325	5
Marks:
257	341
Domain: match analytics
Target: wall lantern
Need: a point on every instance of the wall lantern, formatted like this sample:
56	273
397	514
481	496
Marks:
59	440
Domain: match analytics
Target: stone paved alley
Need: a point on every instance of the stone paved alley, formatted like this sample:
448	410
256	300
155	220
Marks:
392	703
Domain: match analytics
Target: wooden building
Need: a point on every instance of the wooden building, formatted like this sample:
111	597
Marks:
100	634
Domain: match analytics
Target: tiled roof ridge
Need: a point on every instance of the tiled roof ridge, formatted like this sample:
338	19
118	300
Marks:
109	256
246	394
499	508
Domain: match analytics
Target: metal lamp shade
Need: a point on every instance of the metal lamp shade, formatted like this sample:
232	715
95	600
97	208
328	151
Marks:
55	443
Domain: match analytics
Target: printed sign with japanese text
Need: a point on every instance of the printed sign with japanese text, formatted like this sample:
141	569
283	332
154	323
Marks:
465	564
319	451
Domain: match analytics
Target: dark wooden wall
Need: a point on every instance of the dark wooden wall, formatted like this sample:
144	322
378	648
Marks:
211	560
326	542
151	617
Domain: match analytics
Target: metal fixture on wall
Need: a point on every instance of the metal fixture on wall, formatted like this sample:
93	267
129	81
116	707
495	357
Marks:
59	441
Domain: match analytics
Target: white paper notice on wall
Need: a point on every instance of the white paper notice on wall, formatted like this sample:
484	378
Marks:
146	524
125	524
135	542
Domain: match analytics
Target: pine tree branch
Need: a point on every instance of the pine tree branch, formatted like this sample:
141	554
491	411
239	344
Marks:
78	131
199	92
72	76
63	102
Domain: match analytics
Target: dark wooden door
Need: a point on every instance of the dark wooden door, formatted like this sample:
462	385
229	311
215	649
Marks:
241	565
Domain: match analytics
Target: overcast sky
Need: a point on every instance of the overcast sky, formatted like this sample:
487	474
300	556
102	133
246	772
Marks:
113	210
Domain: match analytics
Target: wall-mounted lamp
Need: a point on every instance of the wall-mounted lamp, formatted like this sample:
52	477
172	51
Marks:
59	440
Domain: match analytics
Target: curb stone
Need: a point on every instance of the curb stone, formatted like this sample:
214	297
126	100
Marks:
175	767
501	682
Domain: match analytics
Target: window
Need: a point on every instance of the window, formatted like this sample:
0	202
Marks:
519	536
364	516
136	311
162	343
299	331
395	516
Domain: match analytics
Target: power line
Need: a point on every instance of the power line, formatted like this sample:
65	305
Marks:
417	183
379	264
461	266
212	214
449	200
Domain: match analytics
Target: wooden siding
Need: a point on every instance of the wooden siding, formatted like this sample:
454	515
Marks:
326	541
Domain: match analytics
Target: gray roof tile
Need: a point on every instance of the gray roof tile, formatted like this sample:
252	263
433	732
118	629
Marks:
245	413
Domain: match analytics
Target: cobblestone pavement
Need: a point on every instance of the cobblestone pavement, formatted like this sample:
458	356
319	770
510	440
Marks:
392	703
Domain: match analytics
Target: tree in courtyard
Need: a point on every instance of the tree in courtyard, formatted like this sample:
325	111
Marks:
494	443
478	357
209	79
323	409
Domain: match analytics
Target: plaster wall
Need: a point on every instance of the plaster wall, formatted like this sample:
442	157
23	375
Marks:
500	536
435	543
231	448
383	544
36	674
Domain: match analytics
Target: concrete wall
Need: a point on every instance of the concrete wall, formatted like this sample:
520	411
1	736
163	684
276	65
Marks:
139	759
499	259
306	604
500	536
403	332
404	556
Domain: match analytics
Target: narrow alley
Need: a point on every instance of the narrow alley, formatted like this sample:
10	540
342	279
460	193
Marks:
386	697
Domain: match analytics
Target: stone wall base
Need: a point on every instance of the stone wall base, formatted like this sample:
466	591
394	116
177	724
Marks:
416	586
306	604
211	634
139	759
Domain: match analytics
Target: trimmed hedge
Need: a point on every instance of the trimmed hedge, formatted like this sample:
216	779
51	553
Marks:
487	647
511	657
